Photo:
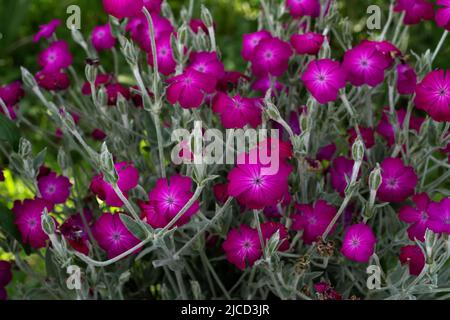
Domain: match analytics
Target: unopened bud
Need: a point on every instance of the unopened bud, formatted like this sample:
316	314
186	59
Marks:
358	150
206	17
28	79
91	73
47	222
24	148
375	178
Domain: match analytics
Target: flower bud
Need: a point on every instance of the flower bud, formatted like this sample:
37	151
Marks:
102	97
77	36
375	178
272	111
63	162
47	222
24	148
28	79
304	123
91	73
206	17
130	52
272	244
358	150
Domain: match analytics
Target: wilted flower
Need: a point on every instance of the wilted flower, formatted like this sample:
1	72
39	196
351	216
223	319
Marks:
189	88
167	199
102	38
308	43
75	231
417	216
28	220
358	243
128	179
399	181
112	235
433	95
47	30
237	111
271	57
57	56
53	188
242	246
323	79
413	256
313	219
415	10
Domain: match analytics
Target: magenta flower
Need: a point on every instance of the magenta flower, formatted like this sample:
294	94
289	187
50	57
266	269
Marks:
386	130
367	135
358	243
326	152
443	14
220	191
433	95
98	134
167	199
28	220
101	79
326	291
47	30
308	43
128	179
250	41
53	188
415	10
340	174
208	63
313	219
76	232
140	31
112	235
406	79
12	93
113	90
230	80
271	56
164	55
153	6
413	256
123	8
189	88
237	111
242	246
276	211
263	84
268	229
399	181
365	64
323	79
57	56
197	24
417	216
301	8
5	278
102	38
439	220
52	80
253	186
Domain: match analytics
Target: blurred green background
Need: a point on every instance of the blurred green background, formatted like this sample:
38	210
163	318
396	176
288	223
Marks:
19	20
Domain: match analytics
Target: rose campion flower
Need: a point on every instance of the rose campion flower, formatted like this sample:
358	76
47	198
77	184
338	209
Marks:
268	229
208	63
364	64
340	174
406	79
57	56
230	80
367	134
167	199
276	211
76	232
242	246
386	48
101	79
128	179
271	57
327	292
413	256
12	93
323	79
5	278
439	220
164	55
386	130
28	220
189	88
102	38
123	8
433	95
140	32
113	90
53	188
112	235
153	6
47	30
358	243
237	111
415	10
98	134
313	219
417	216
251	183
52	80
301	8
326	152
220	191
196	25
250	41
308	43
398	181
443	14
263	84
